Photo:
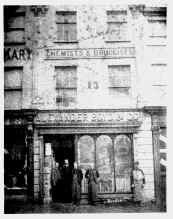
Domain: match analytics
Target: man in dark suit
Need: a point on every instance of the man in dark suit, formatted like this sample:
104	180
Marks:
66	181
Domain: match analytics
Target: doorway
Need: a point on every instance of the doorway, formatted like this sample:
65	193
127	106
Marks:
63	147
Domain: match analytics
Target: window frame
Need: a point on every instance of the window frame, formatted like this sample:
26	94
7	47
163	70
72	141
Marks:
66	23
120	87
116	22
62	103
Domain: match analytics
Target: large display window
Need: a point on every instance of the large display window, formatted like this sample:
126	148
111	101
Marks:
112	156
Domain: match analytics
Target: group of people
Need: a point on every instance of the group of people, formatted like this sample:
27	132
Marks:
66	183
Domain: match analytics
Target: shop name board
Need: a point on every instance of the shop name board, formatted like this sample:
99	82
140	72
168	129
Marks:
18	54
87	117
118	52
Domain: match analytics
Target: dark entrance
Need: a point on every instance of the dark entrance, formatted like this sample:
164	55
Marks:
63	148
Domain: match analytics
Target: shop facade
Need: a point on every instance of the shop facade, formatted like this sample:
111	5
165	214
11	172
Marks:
79	85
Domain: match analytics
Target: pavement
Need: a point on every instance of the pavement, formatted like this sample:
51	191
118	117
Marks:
23	207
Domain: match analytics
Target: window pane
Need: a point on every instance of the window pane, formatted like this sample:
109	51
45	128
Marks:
104	163
60	32
66	17
16	22
13	78
117	16
70	32
86	153
157	28
13	99
66	97
117	32
123	163
66	26
119	92
15	36
66	32
119	76
66	77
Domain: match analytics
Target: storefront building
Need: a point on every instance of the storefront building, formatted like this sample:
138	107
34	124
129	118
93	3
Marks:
87	84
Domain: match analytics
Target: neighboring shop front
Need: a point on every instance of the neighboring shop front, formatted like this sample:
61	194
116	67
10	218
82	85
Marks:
18	150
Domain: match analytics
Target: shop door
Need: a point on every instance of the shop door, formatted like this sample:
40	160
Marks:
112	156
62	148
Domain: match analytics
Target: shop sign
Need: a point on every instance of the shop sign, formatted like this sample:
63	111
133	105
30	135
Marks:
17	54
87	117
118	52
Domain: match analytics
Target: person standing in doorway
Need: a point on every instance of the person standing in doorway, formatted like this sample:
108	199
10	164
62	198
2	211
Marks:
76	184
138	183
67	181
55	182
92	175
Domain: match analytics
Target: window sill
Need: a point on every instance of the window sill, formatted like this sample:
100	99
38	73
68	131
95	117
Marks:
117	41
15	29
14	43
13	89
66	42
58	88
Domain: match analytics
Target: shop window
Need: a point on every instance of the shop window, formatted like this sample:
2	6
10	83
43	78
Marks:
13	87
117	26
104	163
112	156
86	156
15	158
123	163
66	26
119	80
66	86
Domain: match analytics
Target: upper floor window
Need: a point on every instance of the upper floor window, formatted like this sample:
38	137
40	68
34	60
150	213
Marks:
14	25
156	22
13	87
66	86
116	26
119	80
66	26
